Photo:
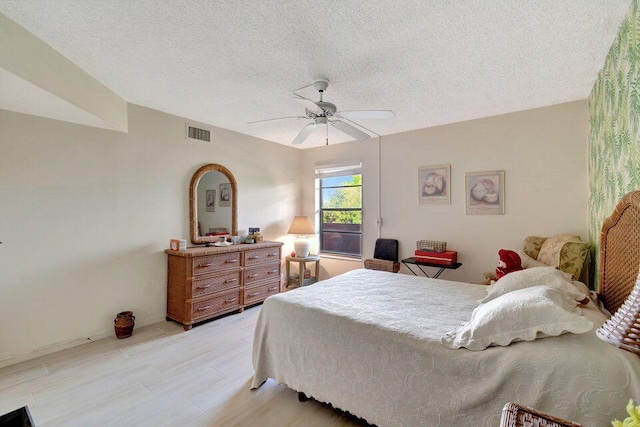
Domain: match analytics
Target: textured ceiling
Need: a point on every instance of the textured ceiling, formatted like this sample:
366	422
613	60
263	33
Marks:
432	62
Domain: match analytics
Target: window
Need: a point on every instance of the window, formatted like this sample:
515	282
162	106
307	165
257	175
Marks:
340	212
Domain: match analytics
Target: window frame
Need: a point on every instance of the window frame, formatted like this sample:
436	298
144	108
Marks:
350	172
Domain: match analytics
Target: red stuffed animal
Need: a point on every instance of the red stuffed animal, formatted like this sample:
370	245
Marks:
509	262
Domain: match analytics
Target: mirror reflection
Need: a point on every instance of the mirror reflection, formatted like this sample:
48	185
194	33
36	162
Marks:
213	202
214	205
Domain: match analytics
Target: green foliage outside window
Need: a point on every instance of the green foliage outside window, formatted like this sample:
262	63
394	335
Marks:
342	197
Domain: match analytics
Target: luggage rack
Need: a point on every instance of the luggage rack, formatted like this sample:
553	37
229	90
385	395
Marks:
441	267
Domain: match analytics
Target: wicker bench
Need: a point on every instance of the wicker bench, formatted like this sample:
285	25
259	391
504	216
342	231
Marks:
382	265
385	256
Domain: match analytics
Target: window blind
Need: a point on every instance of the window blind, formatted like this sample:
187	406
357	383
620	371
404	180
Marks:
329	170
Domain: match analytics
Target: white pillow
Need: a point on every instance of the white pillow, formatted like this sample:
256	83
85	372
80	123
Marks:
522	315
529	277
528	262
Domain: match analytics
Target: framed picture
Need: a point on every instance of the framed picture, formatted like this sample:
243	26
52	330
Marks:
485	193
211	200
225	194
433	185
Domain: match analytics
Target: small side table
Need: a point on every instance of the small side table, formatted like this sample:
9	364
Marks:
300	280
420	264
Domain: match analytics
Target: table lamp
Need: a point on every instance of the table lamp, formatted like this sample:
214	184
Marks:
302	226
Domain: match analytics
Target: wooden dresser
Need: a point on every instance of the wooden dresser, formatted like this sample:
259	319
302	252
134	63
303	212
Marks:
207	282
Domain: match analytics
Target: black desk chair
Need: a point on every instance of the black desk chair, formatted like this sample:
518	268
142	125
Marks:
385	256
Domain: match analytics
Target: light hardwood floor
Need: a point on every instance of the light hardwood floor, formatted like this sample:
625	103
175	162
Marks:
160	376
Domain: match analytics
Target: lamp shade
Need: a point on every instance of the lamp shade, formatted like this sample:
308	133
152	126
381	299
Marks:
623	328
301	225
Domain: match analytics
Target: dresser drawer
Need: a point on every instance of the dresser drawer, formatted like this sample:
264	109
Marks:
223	303
263	272
261	256
260	293
215	284
217	262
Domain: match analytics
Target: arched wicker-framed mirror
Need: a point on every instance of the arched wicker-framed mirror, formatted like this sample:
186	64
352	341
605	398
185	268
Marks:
212	199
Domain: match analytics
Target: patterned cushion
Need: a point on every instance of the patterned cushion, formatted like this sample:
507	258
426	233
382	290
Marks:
565	251
532	244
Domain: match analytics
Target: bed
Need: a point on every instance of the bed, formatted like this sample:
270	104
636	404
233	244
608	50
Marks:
369	342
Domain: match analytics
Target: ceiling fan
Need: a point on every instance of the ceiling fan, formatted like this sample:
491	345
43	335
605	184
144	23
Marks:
326	113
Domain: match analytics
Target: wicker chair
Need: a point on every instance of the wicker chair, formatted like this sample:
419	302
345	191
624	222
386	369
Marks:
514	415
385	256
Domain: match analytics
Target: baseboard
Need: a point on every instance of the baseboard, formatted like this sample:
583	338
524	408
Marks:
65	345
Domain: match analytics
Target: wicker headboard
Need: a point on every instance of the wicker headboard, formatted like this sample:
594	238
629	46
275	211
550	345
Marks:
620	252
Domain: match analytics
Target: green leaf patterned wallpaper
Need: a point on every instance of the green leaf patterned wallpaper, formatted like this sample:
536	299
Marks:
614	127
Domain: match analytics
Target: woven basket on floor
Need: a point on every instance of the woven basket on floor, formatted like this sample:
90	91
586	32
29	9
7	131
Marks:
382	265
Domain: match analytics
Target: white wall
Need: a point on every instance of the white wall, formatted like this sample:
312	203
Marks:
86	213
543	153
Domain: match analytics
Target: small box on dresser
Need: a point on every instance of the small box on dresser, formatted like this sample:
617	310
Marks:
205	282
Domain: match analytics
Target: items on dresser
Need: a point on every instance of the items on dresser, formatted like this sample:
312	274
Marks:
207	282
178	245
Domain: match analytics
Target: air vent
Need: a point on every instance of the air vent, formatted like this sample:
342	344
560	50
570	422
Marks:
197	133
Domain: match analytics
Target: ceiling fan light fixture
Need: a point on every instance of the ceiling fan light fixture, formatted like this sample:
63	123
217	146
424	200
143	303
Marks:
328	109
324	113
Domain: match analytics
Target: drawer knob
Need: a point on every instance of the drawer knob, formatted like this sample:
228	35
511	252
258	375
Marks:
204	286
231	280
204	265
273	289
227	301
272	255
254	257
272	271
251	276
253	294
231	261
204	308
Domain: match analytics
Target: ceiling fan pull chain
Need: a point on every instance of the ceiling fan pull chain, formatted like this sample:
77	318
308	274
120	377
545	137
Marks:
327	135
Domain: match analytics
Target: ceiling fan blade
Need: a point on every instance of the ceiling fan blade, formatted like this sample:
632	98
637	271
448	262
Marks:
350	130
304	133
367	114
308	104
277	118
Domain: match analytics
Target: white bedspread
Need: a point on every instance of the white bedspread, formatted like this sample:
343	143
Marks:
369	343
